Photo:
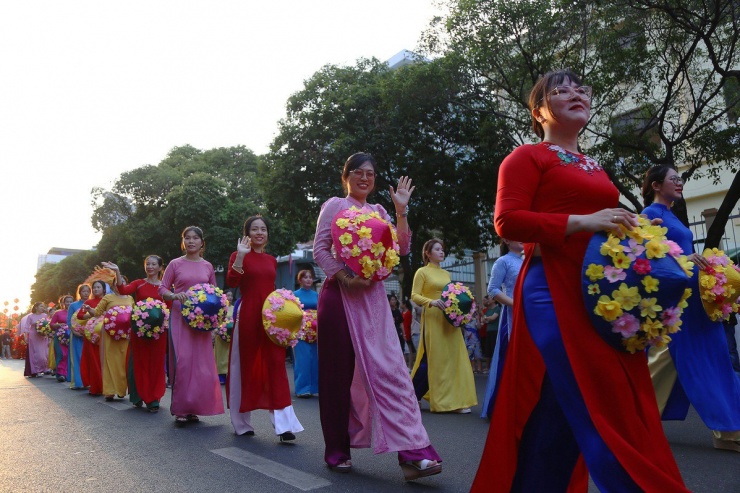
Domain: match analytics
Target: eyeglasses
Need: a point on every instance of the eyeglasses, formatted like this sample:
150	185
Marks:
363	173
567	92
677	180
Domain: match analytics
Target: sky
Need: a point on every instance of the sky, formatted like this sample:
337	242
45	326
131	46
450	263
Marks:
90	89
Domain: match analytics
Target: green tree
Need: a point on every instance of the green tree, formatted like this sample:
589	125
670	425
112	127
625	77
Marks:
148	207
658	69
413	121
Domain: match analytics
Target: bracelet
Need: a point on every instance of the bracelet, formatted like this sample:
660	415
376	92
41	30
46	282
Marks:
403	213
237	269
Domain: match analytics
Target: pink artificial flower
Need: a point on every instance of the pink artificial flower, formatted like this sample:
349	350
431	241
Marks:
346	252
633	249
365	244
382	272
613	274
627	325
145	315
671	316
673	249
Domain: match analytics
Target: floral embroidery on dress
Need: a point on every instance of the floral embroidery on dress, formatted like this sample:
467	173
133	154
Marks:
587	164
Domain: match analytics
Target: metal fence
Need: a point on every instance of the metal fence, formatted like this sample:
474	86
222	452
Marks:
729	242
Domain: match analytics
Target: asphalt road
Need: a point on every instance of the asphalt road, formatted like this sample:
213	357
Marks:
58	440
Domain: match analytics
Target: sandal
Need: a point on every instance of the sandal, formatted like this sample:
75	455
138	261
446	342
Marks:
342	467
138	404
192	418
152	409
419	469
181	421
109	398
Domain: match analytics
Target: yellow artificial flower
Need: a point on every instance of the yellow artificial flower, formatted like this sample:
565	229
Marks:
345	238
594	289
595	272
365	232
355	252
649	307
368	267
608	309
621	261
391	258
377	249
202	297
686	265
650	283
633	344
652	327
686	295
707	281
611	247
343	222
626	296
394	236
656	249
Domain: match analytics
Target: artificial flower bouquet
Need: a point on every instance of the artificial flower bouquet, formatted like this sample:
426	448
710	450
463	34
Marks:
149	318
459	304
62	333
366	242
719	285
205	308
635	286
43	327
282	317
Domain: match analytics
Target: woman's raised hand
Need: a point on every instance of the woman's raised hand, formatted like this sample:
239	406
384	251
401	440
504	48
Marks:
110	265
402	193
244	246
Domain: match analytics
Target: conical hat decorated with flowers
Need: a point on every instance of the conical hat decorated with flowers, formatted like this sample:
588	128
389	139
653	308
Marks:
719	285
635	286
117	322
282	317
309	331
366	242
205	308
459	304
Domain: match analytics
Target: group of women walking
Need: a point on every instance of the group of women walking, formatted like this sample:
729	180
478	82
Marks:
563	404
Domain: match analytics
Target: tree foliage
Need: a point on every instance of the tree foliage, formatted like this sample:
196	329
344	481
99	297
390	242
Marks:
413	121
659	69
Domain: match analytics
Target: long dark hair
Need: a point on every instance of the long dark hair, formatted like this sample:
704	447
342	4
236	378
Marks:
654	174
540	90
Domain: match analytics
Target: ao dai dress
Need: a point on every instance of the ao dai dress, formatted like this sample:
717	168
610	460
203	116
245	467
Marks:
38	345
306	366
442	356
195	386
75	349
113	352
257	377
366	395
703	374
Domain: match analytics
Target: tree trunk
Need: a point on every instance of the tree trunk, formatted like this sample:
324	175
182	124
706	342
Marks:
717	231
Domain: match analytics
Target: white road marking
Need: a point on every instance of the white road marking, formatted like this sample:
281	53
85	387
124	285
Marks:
301	480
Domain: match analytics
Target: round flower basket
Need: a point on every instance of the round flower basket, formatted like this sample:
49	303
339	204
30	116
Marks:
226	331
78	326
309	331
205	308
117	322
282	317
149	318
635	286
719	285
459	304
366	242
94	329
62	333
43	327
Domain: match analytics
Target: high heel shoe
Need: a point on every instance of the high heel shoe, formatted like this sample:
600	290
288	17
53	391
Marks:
286	437
419	469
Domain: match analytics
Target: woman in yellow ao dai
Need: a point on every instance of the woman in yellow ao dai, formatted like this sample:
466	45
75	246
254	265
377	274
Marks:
442	373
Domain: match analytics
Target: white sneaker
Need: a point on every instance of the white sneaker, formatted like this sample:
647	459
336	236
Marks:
463	411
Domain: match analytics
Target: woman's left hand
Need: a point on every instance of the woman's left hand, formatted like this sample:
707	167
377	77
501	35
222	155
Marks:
402	193
698	260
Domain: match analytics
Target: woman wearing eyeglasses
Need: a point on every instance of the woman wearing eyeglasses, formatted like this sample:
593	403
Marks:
366	395
691	370
568	404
